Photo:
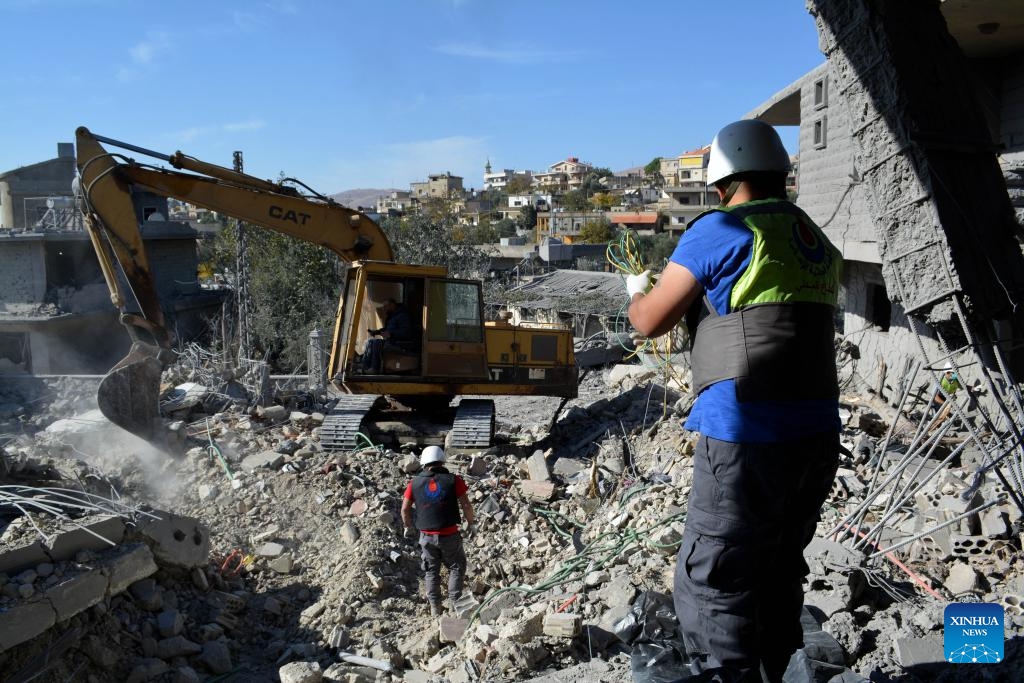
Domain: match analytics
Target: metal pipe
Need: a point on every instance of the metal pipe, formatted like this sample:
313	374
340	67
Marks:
915	537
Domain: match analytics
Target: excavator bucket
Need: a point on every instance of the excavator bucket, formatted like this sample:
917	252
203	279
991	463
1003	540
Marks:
129	396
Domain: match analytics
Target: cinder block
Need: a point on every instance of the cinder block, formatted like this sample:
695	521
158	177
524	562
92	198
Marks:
24	622
176	540
77	594
14	559
74	538
562	625
917	651
132	564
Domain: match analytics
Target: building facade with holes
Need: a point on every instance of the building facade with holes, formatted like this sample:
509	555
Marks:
830	190
56	316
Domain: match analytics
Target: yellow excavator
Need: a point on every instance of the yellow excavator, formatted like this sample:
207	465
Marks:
450	351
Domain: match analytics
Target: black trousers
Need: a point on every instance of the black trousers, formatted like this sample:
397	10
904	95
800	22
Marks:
738	589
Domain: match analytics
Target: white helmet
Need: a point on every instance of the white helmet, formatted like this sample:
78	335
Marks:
430	455
746	145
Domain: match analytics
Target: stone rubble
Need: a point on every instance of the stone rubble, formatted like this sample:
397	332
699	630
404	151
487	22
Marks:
285	562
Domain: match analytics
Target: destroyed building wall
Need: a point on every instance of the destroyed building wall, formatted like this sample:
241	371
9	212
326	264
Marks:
22	276
44	179
832	191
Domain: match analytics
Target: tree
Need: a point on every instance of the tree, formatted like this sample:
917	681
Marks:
653	167
419	239
527	219
519	185
293	287
575	200
655	250
506	227
604	201
596	232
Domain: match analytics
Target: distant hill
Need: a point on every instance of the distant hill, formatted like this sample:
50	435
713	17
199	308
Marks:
363	197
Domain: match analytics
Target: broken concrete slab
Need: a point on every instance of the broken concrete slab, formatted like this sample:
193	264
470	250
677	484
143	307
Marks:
537	466
919	651
537	490
77	594
24	622
126	566
176	540
265	459
451	629
89	533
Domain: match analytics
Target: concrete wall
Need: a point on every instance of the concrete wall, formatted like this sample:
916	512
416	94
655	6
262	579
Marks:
47	178
22	274
828	188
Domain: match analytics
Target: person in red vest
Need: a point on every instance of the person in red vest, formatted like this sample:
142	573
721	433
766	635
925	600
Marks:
437	494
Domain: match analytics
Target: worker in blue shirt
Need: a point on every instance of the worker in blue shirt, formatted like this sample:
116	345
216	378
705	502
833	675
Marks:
767	411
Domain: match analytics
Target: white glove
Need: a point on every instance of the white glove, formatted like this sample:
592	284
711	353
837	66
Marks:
638	284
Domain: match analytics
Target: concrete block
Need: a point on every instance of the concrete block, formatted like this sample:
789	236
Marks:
562	625
969	546
917	651
525	629
176	540
266	459
24	622
14	559
537	465
301	672
83	536
77	594
170	622
994	523
962	578
452	629
270	550
537	490
130	564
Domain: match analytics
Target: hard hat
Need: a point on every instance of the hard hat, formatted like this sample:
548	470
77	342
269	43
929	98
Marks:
947	366
430	455
746	145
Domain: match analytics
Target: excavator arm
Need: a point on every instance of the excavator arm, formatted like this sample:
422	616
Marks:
129	394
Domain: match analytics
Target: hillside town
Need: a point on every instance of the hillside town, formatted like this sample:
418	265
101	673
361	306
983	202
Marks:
248	517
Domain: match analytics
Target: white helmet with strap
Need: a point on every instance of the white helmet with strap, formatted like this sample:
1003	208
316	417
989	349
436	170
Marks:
746	145
431	455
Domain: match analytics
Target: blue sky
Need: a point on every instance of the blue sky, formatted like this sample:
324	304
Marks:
379	93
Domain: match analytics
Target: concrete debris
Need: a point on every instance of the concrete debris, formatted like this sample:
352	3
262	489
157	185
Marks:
285	562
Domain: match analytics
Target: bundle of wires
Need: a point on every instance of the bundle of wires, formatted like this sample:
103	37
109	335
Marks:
625	255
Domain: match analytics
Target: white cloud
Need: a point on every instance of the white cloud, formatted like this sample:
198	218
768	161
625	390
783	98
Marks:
398	164
513	54
143	57
194	132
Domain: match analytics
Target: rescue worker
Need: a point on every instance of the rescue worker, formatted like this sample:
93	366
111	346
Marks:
949	383
767	405
437	495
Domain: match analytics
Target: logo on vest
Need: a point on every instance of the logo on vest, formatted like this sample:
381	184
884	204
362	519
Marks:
815	257
432	491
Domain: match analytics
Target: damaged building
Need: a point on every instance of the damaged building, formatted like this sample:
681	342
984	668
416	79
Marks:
833	191
56	315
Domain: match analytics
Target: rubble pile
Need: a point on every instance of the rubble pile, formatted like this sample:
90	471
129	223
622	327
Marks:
309	577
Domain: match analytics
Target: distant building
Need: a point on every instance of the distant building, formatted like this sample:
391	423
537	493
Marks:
563	175
438	185
396	203
499	180
55	311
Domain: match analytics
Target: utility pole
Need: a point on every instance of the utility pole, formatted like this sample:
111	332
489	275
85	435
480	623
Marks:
242	278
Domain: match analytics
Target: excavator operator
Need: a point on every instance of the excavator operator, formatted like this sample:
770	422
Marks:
397	328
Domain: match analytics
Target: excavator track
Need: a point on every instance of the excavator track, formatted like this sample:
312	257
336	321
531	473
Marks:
474	424
341	425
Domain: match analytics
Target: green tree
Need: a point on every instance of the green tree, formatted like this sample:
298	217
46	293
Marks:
575	200
604	201
419	239
596	232
518	185
653	167
527	219
506	227
655	250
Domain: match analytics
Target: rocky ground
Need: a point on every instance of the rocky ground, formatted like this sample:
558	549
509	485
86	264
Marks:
308	570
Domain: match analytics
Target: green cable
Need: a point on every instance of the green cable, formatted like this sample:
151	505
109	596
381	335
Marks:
224	463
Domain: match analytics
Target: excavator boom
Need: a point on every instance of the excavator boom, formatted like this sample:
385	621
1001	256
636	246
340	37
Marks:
129	395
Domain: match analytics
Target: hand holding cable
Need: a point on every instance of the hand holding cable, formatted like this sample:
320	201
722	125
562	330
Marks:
638	283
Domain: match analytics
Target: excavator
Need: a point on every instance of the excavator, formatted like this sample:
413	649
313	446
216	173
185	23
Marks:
451	352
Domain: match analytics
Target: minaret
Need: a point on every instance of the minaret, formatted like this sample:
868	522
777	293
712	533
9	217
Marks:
487	168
